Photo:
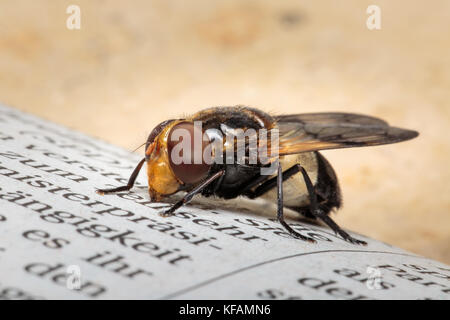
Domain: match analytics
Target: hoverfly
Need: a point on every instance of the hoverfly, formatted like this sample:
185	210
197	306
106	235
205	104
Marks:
301	179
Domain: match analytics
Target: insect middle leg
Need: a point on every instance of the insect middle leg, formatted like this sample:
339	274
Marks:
280	177
267	185
314	207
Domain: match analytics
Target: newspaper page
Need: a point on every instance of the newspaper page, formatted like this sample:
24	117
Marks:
61	240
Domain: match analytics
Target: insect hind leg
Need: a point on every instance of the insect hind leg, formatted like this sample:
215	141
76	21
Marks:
315	210
326	189
305	211
322	215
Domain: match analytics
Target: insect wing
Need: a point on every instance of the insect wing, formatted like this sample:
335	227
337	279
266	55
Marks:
319	131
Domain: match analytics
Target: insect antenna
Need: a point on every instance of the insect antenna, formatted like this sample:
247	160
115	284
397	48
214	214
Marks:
138	147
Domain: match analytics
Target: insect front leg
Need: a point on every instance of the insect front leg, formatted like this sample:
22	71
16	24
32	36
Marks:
280	217
317	212
188	197
130	183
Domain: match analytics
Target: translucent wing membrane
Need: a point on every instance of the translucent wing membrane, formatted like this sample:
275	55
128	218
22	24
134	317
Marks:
318	131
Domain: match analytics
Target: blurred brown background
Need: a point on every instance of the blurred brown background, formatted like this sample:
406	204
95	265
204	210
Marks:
135	63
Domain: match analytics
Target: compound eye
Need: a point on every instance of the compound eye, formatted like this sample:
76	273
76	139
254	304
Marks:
185	146
155	132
